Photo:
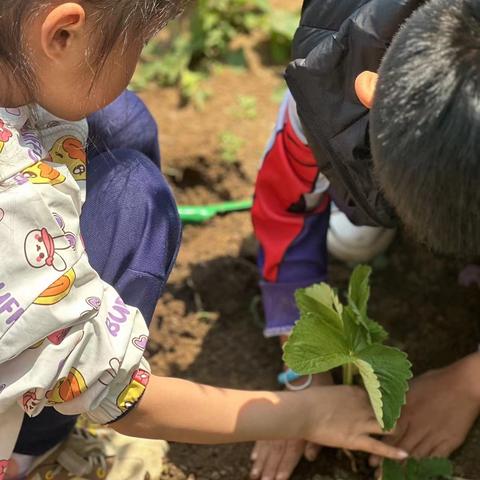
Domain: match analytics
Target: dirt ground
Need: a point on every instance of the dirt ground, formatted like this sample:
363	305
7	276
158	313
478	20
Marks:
204	328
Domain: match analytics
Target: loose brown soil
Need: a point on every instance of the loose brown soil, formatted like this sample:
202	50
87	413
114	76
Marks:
204	328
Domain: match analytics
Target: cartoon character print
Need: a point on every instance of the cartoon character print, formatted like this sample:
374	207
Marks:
58	290
45	299
110	374
5	135
3	468
71	152
59	336
43	250
56	338
132	393
30	401
94	303
67	388
42	174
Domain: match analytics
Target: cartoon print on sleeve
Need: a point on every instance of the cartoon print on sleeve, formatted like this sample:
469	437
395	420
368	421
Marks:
140	342
59	336
30	401
58	290
43	250
132	393
42	174
5	135
71	237
56	338
3	468
71	152
68	388
51	297
110	374
94	303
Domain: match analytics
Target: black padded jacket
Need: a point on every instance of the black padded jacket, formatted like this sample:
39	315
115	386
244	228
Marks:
336	41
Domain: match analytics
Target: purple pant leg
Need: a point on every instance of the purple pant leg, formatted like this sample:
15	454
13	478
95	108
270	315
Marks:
131	226
125	123
304	263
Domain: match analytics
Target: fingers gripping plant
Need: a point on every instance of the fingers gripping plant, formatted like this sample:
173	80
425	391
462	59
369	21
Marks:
330	334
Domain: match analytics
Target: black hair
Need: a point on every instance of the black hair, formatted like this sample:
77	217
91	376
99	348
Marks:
425	125
114	20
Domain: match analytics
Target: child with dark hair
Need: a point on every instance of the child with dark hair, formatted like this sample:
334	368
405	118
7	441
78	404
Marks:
431	151
400	146
72	326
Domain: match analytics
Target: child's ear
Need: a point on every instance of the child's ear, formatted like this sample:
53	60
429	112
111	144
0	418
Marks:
60	28
365	85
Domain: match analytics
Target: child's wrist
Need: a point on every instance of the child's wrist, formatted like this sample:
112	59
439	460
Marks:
299	424
309	420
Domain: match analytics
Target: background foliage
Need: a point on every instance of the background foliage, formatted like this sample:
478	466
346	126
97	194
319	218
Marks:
204	38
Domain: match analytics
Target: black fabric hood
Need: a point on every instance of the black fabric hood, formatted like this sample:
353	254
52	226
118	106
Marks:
335	42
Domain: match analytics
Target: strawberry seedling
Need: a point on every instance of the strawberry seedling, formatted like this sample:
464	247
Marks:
330	334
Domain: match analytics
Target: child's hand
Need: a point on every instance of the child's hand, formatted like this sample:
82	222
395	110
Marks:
442	406
343	417
276	460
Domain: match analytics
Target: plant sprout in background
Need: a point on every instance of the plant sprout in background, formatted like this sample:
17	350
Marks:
246	107
230	145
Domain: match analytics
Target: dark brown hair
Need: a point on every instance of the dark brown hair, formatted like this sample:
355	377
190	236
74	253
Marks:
425	125
114	20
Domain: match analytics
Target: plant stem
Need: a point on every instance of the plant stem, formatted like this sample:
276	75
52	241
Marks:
348	374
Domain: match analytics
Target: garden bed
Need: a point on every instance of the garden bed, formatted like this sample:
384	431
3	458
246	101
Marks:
204	329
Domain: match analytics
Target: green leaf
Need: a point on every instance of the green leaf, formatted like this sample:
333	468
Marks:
315	346
426	469
284	23
358	296
359	288
322	300
377	333
429	469
392	470
373	387
324	294
356	335
386	381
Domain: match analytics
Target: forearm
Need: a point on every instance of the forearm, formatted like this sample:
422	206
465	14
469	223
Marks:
182	411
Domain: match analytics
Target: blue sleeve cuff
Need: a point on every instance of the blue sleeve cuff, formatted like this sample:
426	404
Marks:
281	312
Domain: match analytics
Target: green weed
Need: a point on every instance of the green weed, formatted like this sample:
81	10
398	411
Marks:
230	146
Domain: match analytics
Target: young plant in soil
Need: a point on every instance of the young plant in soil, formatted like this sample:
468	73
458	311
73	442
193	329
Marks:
330	334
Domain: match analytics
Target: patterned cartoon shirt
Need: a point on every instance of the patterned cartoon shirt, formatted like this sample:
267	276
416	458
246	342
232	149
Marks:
67	340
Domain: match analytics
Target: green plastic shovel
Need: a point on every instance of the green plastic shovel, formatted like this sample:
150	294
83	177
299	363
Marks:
203	213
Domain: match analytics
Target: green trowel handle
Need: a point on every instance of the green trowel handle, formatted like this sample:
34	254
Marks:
203	213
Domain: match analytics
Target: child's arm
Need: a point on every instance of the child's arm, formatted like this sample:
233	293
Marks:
182	411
